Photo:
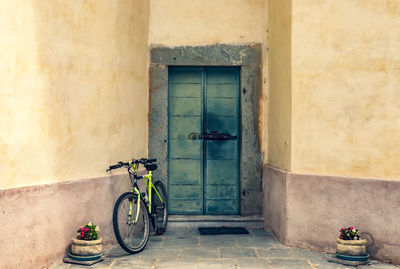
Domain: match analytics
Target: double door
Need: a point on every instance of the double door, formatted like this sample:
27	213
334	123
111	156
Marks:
203	146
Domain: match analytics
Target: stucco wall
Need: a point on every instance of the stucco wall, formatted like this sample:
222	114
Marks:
265	81
346	97
196	22
73	88
279	66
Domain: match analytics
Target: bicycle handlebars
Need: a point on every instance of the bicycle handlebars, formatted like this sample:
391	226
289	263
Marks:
142	161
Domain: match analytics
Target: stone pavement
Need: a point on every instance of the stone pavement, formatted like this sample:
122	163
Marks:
186	248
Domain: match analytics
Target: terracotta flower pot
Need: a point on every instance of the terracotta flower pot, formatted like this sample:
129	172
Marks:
86	247
351	247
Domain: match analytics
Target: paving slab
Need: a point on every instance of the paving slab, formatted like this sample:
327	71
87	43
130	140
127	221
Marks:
217	264
195	253
155	242
330	265
135	263
289	263
158	253
164	264
253	264
258	242
237	253
275	253
377	265
183	247
307	254
260	232
179	242
217	241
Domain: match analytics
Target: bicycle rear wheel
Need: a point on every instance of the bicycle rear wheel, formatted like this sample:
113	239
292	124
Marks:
160	209
131	236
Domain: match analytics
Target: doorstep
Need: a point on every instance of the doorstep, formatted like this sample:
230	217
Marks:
254	221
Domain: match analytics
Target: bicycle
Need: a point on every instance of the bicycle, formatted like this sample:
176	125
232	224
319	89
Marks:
133	210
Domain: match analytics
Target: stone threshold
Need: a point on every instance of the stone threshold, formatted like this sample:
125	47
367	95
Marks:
194	221
214	218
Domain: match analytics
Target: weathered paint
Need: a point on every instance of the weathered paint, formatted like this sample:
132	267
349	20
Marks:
280	84
346	97
203	175
199	22
299	203
73	88
248	58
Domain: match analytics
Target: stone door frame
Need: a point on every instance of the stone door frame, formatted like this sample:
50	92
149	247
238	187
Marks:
248	58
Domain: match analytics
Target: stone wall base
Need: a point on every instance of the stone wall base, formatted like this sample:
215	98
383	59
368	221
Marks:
38	222
307	211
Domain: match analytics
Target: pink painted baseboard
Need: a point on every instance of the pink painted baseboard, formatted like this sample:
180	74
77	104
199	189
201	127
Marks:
307	211
38	222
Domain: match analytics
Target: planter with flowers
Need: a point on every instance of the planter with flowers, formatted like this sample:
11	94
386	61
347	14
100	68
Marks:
350	245
88	244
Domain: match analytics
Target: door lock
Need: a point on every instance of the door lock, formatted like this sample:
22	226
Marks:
211	136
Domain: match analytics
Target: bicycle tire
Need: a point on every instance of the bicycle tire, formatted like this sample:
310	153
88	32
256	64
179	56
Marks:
159	209
132	237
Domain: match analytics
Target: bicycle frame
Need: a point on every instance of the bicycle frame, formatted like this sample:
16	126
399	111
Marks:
135	189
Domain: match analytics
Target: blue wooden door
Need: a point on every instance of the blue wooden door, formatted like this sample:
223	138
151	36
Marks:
203	165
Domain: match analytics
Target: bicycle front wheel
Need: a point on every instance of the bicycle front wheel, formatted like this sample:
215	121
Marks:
160	208
131	229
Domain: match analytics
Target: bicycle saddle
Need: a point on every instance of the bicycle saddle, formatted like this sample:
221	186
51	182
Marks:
151	167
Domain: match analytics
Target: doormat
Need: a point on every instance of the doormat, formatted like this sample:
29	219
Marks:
222	230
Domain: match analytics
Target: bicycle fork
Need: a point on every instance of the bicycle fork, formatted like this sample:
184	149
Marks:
135	190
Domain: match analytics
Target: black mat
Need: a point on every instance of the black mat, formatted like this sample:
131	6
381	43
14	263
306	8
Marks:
222	230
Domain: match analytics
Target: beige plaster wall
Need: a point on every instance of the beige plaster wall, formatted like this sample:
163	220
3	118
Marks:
279	66
265	82
346	95
73	88
197	22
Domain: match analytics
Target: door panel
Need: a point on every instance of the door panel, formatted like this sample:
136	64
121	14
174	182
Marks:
185	172
224	124
185	156
203	170
221	172
221	107
185	107
180	127
221	90
222	103
185	90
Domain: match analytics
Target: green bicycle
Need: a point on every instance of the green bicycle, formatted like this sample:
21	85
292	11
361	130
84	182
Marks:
133	210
